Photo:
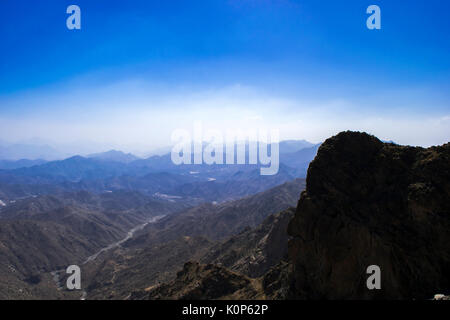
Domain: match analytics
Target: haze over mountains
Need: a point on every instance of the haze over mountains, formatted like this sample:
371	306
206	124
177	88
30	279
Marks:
37	150
114	155
14	152
115	170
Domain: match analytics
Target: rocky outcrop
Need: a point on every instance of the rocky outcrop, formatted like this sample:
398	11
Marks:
250	265
205	282
372	203
254	251
277	282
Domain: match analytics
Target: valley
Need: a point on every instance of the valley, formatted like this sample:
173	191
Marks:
129	235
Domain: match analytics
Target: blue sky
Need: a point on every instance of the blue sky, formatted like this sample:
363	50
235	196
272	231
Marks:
137	70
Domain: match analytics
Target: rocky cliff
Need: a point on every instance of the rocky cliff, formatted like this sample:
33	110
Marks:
372	203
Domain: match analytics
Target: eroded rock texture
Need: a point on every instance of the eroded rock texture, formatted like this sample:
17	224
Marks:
373	203
200	282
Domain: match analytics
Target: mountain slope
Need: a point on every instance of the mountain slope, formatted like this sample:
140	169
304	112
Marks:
222	220
126	270
23	163
300	159
254	251
199	282
47	233
161	249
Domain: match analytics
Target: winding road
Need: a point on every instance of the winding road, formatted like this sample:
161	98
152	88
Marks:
130	234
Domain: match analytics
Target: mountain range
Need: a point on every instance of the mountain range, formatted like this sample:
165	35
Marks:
115	171
35	150
56	213
145	229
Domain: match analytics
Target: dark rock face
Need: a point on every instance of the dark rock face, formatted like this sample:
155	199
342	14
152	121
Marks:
277	282
372	203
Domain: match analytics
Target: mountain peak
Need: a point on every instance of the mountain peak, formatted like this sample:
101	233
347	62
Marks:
114	155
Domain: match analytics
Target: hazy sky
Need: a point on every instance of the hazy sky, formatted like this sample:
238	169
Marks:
137	70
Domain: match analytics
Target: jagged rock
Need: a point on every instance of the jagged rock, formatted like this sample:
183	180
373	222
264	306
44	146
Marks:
198	282
372	203
254	251
277	282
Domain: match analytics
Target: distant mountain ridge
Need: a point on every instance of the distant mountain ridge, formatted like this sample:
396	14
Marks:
292	146
22	163
114	170
29	151
114	155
